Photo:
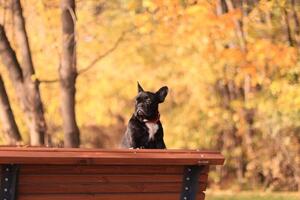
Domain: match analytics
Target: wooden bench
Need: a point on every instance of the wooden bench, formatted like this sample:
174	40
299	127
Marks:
93	174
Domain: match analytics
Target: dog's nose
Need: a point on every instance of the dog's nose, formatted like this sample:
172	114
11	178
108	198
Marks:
140	112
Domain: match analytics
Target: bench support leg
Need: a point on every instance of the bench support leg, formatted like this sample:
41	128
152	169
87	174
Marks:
9	182
190	183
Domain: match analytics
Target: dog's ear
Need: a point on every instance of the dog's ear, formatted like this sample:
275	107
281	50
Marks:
140	89
162	93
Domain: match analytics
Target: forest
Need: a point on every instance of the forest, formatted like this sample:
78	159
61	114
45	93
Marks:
69	72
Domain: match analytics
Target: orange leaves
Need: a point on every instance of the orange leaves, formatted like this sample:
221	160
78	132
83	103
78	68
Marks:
229	18
286	56
200	15
262	59
263	53
233	56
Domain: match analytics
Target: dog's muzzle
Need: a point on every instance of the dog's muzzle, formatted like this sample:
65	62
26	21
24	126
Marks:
140	112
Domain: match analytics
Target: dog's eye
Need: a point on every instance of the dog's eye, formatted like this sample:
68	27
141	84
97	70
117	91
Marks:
148	100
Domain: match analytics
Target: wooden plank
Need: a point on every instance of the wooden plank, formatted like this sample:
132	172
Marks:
118	157
204	169
109	178
88	188
202	186
65	179
47	149
144	196
99	169
200	196
60	188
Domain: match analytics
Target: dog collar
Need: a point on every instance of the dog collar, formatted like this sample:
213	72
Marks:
155	120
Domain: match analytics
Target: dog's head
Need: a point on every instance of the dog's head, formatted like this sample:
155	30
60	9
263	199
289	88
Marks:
146	106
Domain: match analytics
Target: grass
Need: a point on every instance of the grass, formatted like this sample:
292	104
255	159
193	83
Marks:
251	196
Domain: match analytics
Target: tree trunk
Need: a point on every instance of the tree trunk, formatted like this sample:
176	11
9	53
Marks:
288	27
10	61
68	74
221	7
9	124
296	21
38	125
22	39
239	26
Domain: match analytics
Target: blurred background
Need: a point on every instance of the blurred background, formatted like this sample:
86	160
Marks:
232	66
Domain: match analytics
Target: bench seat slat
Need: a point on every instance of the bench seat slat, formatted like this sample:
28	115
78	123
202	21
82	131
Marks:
95	150
145	196
61	188
112	157
99	169
96	178
103	188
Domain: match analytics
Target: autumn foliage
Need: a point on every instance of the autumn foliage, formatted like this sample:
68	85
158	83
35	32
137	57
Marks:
232	66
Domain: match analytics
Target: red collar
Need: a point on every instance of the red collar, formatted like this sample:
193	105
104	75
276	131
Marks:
155	120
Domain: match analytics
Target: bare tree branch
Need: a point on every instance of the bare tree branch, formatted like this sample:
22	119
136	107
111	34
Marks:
48	81
9	58
97	59
108	52
9	124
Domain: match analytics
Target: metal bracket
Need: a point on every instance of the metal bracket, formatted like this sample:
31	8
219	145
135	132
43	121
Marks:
9	182
190	183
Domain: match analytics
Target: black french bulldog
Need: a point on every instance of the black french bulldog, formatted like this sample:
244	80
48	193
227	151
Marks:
144	129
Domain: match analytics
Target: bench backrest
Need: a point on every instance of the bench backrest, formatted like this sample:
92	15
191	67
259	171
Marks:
81	174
